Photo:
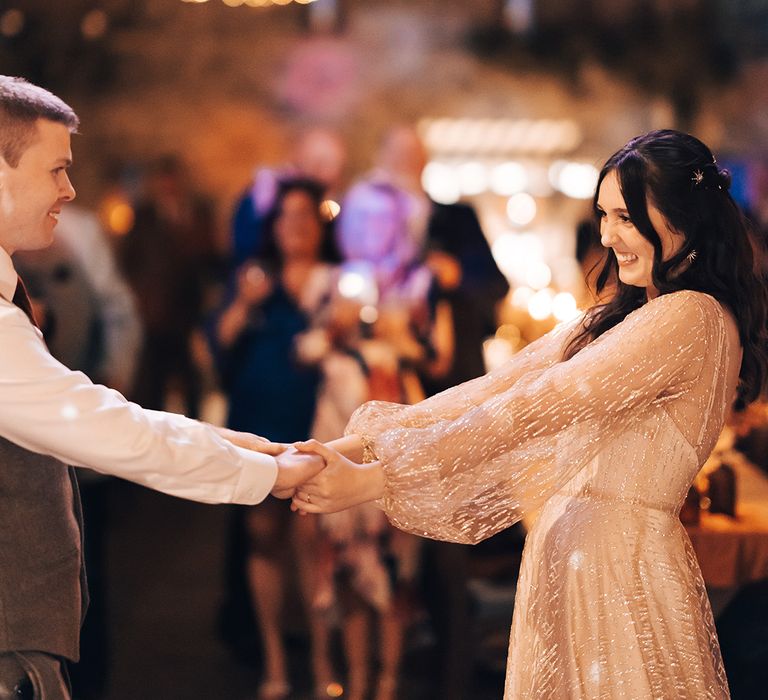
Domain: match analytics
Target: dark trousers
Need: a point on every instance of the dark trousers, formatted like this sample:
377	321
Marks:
89	675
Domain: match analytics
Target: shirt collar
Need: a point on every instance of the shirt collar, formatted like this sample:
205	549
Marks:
8	276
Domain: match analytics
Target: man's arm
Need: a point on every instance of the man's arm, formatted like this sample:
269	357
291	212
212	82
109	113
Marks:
49	409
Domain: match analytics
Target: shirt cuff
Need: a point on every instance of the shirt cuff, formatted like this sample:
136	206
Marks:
257	477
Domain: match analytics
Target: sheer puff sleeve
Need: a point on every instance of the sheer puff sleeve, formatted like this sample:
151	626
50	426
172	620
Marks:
473	460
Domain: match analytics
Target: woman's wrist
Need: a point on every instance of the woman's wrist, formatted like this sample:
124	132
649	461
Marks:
375	482
351	446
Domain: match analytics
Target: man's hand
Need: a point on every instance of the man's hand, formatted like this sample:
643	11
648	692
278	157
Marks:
249	441
293	469
342	484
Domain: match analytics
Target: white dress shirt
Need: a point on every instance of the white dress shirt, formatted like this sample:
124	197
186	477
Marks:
49	409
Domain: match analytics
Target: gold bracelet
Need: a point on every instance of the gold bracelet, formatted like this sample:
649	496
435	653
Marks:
368	454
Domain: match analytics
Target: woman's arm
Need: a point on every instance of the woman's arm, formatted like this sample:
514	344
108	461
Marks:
465	476
349	446
253	286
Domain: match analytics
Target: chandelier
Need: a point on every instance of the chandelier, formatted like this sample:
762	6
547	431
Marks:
256	3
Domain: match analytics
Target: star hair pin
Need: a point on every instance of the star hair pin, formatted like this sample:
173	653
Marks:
691	256
698	177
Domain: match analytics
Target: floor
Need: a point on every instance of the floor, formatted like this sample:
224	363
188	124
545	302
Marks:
164	582
164	578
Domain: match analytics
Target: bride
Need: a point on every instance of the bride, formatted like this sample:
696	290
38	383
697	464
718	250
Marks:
602	425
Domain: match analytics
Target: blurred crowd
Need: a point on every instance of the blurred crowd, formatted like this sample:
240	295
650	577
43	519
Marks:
327	293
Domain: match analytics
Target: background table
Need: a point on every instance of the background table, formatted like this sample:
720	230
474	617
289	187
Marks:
734	551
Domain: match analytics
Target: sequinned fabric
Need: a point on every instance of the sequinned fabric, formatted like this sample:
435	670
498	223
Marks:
610	600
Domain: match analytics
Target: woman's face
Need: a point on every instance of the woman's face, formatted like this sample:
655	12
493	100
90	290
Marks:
372	222
633	251
298	229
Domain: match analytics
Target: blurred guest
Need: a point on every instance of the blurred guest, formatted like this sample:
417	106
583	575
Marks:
470	281
273	299
367	567
457	252
101	337
169	257
90	324
319	154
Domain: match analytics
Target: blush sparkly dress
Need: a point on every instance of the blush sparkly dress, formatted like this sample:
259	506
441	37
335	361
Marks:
610	601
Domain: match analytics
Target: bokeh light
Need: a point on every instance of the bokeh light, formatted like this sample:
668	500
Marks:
441	183
521	209
575	180
540	304
473	178
564	307
509	178
538	275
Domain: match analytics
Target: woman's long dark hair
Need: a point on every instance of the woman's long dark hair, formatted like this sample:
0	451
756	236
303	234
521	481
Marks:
270	252
678	175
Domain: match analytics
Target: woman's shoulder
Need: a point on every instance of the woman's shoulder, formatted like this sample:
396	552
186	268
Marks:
681	311
685	302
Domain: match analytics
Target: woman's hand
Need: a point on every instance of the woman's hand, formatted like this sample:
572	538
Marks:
253	285
342	484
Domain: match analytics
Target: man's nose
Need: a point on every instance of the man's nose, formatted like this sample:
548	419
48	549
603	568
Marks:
67	191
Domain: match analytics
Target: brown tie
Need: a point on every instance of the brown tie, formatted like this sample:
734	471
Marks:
21	299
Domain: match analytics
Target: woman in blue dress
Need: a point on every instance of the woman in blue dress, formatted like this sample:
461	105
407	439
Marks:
273	299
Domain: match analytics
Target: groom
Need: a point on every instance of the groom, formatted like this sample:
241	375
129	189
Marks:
52	417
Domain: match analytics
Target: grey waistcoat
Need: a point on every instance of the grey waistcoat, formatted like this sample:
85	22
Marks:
43	593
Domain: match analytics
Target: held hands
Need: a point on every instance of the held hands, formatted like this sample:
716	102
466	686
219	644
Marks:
317	477
293	468
342	484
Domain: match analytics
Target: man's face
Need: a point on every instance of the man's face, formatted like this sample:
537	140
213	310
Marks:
32	194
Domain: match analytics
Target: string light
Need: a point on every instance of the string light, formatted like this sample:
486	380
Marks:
255	3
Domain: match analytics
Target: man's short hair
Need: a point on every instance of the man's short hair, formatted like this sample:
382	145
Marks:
21	105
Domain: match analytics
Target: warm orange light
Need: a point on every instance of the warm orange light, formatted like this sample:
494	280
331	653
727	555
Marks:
329	209
333	690
118	215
